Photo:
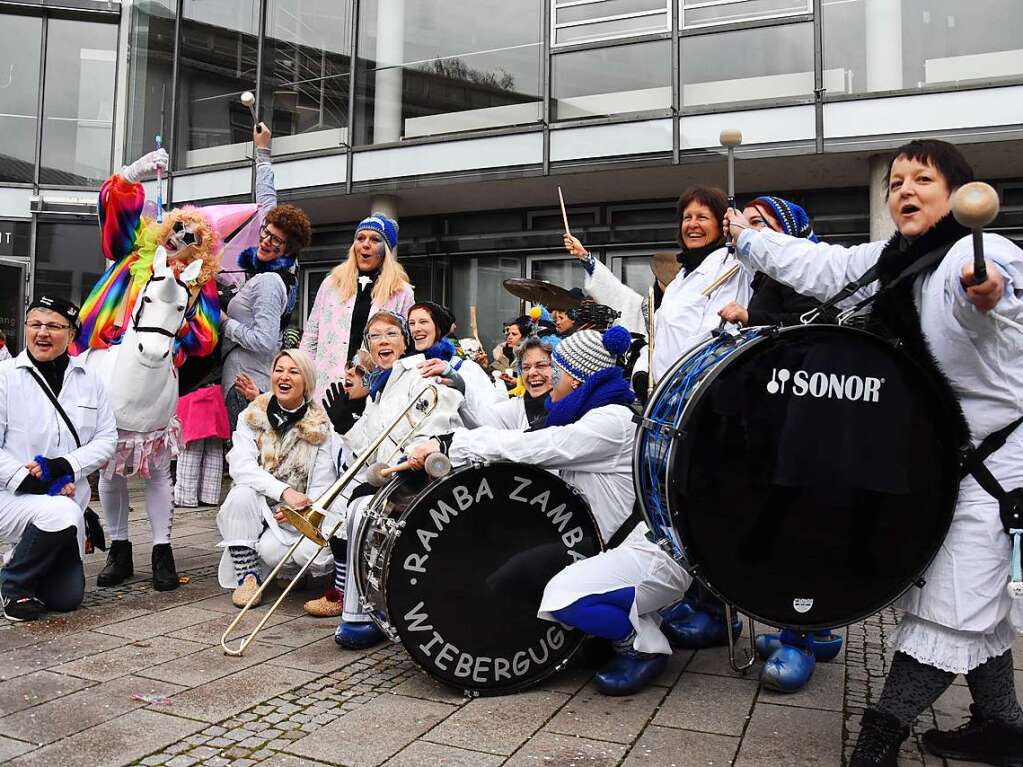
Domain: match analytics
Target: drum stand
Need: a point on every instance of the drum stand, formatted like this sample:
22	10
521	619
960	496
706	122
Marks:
751	657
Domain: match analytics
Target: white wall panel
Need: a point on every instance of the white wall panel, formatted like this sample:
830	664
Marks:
449	156
312	171
217	183
758	126
611	140
15	202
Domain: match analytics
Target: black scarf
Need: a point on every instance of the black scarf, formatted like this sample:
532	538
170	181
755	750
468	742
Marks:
536	410
282	420
895	315
691	258
52	370
360	312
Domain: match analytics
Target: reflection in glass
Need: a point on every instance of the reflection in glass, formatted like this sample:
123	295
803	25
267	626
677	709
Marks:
150	73
701	13
577	22
908	44
749	64
478	282
78	102
567	273
218	63
606	81
69	260
306	69
424	72
20	38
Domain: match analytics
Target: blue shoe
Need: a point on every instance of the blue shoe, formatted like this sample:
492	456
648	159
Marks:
681	611
788	669
767	644
629	673
358	636
701	630
825	645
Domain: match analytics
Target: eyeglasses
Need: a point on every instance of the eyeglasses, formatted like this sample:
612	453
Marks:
52	327
390	335
275	242
539	367
187	237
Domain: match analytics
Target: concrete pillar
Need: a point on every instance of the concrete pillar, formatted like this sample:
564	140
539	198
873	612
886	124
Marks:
883	28
881	226
387	204
387	123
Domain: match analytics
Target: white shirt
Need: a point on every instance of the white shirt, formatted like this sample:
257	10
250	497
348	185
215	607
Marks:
480	393
510	414
31	426
686	316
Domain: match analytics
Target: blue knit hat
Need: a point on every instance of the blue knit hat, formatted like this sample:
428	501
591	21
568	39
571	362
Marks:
586	352
382	225
793	219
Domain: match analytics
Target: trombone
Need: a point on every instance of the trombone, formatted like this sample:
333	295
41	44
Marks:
307	521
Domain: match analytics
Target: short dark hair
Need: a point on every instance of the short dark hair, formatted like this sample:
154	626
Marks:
710	196
295	225
943	156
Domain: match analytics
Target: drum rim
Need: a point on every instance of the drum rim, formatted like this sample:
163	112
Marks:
694	567
573	637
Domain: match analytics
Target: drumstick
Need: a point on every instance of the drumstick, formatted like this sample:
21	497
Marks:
564	215
159	183
730	138
721	280
473	326
650	337
975	205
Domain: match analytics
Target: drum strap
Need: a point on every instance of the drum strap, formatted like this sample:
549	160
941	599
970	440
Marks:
625	528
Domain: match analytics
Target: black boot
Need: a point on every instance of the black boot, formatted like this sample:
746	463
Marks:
881	735
165	576
979	740
119	567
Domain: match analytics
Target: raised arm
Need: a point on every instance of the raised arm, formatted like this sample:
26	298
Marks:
266	191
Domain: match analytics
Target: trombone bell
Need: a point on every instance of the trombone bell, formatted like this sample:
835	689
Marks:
307	521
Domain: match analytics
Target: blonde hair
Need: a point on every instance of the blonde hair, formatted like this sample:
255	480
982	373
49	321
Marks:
305	365
209	248
392	279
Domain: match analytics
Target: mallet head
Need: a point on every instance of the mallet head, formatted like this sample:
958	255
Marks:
730	137
248	98
975	205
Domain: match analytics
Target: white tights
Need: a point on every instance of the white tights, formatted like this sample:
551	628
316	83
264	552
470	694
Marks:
113	494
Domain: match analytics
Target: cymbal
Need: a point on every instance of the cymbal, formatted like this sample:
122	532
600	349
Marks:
542	292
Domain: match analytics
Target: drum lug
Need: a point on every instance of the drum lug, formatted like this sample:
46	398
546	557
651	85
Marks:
920	582
656	426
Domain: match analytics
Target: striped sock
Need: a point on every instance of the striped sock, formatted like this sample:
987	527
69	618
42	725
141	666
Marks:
340	574
246	562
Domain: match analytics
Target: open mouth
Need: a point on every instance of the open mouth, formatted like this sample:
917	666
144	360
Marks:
171	246
908	210
284	387
385	354
419	338
43	346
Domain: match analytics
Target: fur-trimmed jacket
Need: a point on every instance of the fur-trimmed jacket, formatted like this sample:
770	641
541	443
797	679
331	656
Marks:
270	464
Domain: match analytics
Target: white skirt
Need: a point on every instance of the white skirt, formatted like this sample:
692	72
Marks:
948	649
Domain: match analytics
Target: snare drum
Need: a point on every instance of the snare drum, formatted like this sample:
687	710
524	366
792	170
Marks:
455	569
806	475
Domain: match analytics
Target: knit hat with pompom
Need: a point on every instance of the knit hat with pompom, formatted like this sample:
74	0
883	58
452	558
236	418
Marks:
586	352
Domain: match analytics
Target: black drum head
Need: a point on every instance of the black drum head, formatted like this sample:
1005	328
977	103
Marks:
816	478
465	577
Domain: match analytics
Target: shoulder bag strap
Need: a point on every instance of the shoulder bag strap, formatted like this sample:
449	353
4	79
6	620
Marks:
53	399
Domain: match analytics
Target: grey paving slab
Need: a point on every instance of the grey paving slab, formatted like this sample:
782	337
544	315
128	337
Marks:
668	747
10	748
620	719
420	753
114	743
287	760
677	663
84	709
159	623
422	685
715	661
569	681
221	602
209	664
299	632
372	733
549	748
708	703
209	632
32	689
791	736
129	658
825	690
498	725
232	694
53	652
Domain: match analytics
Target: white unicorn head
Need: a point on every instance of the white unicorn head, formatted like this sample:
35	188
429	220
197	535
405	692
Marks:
161	311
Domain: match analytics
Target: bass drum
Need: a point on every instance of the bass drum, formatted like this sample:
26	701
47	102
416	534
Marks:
806	475
455	569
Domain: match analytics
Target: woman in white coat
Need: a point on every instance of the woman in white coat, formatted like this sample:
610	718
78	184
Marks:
281	454
588	440
533	364
967	335
394	383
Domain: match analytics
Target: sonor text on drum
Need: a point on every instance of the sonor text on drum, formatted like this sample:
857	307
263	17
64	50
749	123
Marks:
825	385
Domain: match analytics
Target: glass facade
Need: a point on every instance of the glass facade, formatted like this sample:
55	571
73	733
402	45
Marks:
20	45
69	260
612	80
150	76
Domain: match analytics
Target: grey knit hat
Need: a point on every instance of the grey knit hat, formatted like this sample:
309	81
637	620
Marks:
586	352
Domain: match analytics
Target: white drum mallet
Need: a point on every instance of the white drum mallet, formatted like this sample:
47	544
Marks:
248	98
975	205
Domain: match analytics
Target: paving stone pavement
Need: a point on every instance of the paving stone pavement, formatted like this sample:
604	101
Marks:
138	678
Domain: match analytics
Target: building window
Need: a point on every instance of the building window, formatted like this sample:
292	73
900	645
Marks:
78	102
425	70
478	281
306	72
694	14
613	80
584	21
150	76
891	46
20	40
773	62
217	64
69	260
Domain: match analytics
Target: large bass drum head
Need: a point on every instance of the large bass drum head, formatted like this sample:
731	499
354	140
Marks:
815	478
465	577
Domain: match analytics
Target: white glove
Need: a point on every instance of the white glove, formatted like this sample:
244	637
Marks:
145	166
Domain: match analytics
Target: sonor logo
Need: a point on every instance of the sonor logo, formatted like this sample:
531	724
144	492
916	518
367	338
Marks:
825	385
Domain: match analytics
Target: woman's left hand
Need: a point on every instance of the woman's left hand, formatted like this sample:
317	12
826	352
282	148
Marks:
432	368
246	386
987	294
68	491
417	455
734	312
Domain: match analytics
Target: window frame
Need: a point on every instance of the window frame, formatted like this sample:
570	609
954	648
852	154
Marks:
555	46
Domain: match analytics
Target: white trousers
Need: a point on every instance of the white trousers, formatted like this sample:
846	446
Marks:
353	611
50	514
246	520
658	580
113	494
